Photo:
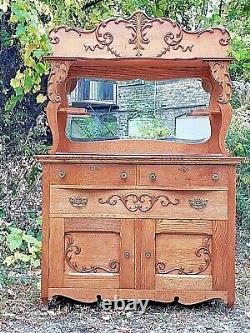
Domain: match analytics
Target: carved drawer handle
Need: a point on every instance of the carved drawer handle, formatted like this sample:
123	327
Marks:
61	173
215	176
124	175
198	203
126	254
148	254
78	201
152	176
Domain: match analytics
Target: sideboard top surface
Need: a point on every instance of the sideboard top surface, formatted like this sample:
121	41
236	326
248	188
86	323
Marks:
141	159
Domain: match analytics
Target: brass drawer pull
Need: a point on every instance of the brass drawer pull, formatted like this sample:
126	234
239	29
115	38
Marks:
152	176
215	176
78	201
61	173
148	254
124	175
198	203
126	254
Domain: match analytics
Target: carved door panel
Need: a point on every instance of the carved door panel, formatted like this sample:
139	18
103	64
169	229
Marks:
92	253
182	254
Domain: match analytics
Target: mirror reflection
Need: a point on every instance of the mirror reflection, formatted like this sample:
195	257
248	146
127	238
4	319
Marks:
172	110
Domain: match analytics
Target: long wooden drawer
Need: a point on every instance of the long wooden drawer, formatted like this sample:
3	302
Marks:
93	174
184	176
149	203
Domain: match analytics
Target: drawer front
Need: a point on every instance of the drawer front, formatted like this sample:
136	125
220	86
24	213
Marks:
150	203
92	174
186	176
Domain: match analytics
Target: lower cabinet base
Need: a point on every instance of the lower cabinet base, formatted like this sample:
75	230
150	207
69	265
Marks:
183	297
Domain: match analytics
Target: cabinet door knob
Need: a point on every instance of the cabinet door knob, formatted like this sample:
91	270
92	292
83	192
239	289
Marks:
123	175
147	254
215	176
61	173
152	176
126	254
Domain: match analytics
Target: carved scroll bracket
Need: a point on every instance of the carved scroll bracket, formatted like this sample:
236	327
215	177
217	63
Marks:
58	74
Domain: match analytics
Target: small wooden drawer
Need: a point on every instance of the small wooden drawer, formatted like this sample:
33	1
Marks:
92	174
139	203
183	176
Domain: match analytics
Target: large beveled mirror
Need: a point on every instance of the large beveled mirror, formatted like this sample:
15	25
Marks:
171	110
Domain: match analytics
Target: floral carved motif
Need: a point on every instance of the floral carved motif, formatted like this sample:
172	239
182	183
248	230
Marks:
219	70
203	251
72	249
143	202
58	74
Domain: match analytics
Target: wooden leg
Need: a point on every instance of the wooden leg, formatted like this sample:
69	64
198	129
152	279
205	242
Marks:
231	301
45	304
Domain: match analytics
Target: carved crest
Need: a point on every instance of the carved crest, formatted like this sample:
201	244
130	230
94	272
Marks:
139	36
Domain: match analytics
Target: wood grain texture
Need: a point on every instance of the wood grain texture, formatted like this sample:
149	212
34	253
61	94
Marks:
148	254
114	203
219	254
127	255
183	226
45	235
56	252
92	174
231	237
175	282
183	175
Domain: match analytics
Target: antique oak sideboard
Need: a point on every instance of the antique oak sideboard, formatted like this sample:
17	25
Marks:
138	218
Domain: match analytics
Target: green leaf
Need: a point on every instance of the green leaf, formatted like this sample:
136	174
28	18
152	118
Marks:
36	263
14	239
29	239
9	260
41	98
38	53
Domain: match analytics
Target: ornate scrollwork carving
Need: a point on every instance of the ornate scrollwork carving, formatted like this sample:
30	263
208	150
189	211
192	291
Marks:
204	250
58	74
143	202
72	249
171	38
224	40
198	203
220	74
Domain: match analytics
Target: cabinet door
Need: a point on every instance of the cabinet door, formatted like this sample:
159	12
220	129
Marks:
91	253
183	254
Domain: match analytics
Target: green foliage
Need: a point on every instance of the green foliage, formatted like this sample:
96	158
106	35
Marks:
238	142
32	36
23	247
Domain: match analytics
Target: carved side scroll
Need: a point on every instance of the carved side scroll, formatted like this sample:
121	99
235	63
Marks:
204	251
72	248
219	70
220	75
58	74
